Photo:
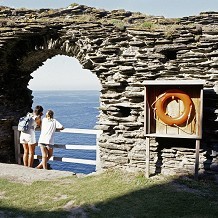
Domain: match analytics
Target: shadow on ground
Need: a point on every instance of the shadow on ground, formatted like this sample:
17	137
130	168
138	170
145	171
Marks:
173	199
182	197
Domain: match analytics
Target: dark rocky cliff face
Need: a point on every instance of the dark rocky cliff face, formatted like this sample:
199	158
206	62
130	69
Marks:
123	49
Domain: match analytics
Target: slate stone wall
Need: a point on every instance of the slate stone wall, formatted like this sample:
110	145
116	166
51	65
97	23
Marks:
123	49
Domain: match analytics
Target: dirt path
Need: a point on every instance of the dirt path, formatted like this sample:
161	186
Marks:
18	173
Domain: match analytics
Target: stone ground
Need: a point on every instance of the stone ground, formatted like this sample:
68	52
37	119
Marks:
19	173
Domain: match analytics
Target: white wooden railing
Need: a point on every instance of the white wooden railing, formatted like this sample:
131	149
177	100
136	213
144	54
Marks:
18	155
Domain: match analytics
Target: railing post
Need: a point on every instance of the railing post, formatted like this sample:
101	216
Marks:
17	145
98	162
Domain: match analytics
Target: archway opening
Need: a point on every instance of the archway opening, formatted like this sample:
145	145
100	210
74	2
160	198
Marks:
73	94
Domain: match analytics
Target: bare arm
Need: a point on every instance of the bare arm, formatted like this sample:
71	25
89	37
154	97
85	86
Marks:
38	121
60	128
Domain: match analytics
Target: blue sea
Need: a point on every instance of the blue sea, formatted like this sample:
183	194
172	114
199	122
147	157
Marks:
74	109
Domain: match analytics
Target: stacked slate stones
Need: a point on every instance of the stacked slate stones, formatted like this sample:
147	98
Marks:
123	49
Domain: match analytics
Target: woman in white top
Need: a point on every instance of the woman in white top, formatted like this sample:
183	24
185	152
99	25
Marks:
28	139
46	138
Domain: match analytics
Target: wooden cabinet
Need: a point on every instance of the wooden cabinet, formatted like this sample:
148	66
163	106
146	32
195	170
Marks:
174	108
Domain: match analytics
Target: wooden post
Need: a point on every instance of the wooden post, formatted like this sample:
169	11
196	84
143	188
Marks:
197	147
147	174
17	145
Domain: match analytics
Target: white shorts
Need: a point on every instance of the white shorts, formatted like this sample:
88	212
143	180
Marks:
28	138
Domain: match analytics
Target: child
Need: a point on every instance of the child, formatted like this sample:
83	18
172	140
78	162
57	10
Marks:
46	138
28	139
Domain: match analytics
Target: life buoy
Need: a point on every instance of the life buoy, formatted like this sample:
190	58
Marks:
161	105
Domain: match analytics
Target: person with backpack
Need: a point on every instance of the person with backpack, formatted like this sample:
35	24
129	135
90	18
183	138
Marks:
46	138
28	137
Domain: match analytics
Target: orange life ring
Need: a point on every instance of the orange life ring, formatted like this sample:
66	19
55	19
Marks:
161	105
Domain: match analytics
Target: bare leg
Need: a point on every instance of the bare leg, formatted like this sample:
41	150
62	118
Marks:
44	151
31	155
25	154
39	166
50	153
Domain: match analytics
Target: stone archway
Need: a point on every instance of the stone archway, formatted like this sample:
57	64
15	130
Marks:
63	72
123	49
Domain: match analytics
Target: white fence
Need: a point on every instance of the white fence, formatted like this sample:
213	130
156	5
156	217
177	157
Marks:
18	155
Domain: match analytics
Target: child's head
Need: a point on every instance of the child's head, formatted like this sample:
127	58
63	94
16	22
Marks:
38	110
50	114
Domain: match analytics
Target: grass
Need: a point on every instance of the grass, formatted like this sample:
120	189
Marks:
117	23
74	4
111	194
147	25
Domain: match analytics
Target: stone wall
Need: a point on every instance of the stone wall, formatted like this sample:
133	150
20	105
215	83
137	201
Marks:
123	49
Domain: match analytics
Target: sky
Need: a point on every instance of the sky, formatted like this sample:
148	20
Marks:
63	73
66	72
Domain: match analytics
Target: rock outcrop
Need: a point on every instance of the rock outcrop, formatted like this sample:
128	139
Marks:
123	49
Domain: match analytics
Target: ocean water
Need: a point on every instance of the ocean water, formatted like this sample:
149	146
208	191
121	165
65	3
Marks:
73	109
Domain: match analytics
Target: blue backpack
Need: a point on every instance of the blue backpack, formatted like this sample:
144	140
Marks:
25	123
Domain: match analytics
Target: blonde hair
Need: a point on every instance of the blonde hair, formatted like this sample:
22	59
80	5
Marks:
50	114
